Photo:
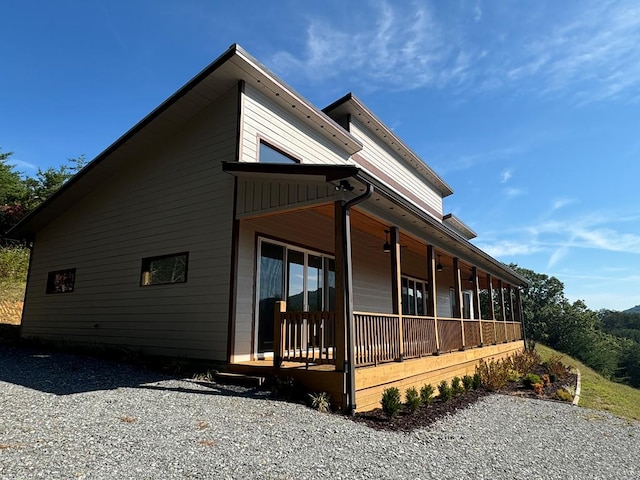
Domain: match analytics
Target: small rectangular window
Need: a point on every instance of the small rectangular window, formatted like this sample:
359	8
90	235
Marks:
61	281
164	269
269	154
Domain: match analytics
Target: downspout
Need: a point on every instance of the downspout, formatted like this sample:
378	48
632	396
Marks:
346	248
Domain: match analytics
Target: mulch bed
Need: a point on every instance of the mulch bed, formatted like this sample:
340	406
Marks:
406	421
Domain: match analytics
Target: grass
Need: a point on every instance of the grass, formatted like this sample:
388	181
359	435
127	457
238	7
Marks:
598	392
13	273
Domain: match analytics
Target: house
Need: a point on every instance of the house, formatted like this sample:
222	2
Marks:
239	224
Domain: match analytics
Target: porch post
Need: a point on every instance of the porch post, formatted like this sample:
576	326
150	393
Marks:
520	315
457	281
280	307
476	300
396	286
341	301
503	315
492	310
431	285
510	290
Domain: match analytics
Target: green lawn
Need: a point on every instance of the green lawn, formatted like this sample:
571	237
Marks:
598	392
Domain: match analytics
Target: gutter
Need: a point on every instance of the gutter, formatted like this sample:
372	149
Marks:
348	293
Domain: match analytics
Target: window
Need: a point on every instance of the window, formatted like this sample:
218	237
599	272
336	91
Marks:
269	154
414	294
61	281
164	269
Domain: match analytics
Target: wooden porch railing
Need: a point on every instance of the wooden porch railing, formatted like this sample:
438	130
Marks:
309	337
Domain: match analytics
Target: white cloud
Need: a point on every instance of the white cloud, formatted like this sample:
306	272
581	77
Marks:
557	255
505	248
562	202
513	192
586	52
506	175
19	164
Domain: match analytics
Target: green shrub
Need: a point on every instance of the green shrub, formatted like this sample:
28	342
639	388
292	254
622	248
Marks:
426	394
467	382
320	401
531	379
456	386
477	381
445	392
391	402
412	399
563	395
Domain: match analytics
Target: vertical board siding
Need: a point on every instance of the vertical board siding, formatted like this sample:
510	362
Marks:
171	199
255	196
263	118
395	168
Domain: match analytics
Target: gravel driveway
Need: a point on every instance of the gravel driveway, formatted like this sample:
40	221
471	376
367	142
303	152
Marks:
67	417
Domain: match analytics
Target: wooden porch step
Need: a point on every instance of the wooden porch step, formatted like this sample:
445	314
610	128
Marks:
239	379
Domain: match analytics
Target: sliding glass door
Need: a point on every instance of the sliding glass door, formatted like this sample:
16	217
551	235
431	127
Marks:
305	279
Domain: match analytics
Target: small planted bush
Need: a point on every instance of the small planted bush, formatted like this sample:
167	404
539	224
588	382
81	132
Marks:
412	399
445	392
494	375
563	395
467	382
456	386
557	370
530	379
477	381
391	402
426	394
524	362
320	401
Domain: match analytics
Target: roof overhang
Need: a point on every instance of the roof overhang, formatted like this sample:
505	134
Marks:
218	78
388	205
457	224
351	105
293	172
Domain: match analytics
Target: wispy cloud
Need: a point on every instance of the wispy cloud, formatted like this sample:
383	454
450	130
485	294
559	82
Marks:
400	47
562	202
587	52
507	248
20	164
506	175
513	192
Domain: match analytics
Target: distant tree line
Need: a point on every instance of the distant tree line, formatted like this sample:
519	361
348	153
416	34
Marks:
605	340
20	193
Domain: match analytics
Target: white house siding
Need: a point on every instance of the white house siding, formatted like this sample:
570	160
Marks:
172	199
396	169
264	119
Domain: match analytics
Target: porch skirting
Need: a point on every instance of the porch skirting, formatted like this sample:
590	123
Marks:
371	381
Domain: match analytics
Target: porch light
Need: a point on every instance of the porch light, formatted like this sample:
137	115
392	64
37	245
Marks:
439	266
386	248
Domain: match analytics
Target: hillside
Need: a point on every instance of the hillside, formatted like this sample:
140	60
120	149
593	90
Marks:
598	392
635	309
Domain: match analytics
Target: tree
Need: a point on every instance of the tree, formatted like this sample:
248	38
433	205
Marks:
20	196
11	186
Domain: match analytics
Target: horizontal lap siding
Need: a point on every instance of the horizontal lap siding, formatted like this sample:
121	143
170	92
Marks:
172	199
255	196
263	118
395	168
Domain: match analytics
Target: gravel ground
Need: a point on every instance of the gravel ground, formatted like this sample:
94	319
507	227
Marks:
70	417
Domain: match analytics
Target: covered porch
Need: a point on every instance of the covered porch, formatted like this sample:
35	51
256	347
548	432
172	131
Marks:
404	299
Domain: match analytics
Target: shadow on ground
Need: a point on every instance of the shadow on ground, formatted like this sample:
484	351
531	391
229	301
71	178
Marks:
65	373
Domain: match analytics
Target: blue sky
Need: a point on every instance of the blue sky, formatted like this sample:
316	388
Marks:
529	110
